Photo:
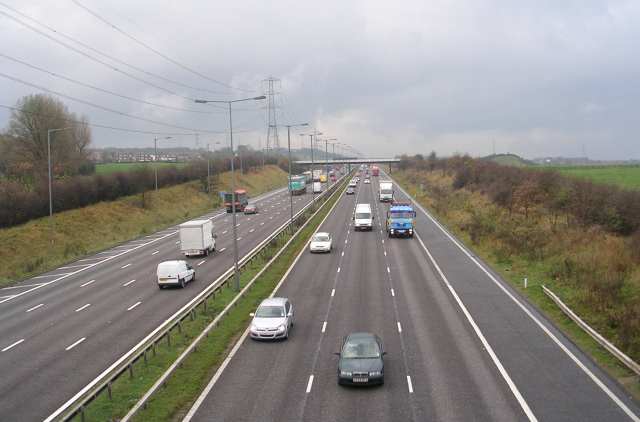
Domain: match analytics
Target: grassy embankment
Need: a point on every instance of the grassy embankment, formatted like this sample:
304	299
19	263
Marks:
183	388
627	177
108	168
41	245
591	271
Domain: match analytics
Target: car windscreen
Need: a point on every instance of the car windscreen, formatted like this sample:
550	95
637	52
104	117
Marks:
361	349
363	216
401	214
321	238
270	312
386	191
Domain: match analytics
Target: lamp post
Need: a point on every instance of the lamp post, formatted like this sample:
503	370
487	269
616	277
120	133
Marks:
49	132
155	158
311	143
233	182
289	149
326	156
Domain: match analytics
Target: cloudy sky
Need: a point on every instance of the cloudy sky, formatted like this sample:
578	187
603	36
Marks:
537	78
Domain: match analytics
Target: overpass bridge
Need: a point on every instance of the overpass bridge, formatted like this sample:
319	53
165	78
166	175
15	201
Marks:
349	161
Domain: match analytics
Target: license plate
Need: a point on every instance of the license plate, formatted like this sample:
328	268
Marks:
361	379
401	231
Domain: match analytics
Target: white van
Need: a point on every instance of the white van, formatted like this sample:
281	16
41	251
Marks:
175	273
317	187
386	191
363	217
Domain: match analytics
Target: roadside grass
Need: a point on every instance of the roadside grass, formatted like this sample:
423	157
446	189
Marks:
624	176
515	268
183	388
108	168
42	244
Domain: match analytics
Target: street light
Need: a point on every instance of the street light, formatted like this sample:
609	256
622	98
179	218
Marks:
233	182
311	135
326	156
49	132
155	158
289	148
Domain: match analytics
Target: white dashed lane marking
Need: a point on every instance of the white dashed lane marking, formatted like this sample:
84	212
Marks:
75	344
35	307
324	326
409	384
133	306
87	283
83	307
12	345
201	262
393	293
125	266
333	292
309	384
129	282
154	252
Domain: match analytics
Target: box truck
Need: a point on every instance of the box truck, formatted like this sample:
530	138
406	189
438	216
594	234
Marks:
197	238
386	191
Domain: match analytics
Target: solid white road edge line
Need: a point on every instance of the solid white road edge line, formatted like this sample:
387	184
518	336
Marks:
324	326
555	339
309	384
512	386
75	344
35	307
409	384
12	345
399	326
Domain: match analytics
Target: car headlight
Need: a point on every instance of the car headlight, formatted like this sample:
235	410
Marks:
345	374
253	329
375	373
281	328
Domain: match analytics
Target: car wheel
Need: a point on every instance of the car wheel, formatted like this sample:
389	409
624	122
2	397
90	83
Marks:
160	286
182	283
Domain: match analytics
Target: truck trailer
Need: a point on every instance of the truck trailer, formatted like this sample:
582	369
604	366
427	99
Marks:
197	238
298	185
386	191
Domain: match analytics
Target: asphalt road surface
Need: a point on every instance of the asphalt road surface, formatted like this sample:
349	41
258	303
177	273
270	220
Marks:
461	344
59	330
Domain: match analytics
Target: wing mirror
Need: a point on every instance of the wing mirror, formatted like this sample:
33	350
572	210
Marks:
215	236
384	353
252	314
290	314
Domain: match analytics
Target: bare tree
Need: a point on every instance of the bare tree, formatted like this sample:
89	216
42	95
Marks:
27	138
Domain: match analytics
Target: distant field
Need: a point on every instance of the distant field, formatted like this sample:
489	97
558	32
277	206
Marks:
115	167
623	176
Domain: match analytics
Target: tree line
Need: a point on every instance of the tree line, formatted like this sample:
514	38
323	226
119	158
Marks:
24	168
520	189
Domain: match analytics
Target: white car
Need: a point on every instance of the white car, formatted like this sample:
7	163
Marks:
175	273
320	242
367	181
272	320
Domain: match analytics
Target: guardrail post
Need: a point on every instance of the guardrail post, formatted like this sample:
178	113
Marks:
180	327
130	370
144	355
82	413
193	314
154	348
109	393
205	304
169	338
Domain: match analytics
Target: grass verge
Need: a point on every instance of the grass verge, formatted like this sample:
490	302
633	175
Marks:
183	388
514	270
42	244
108	168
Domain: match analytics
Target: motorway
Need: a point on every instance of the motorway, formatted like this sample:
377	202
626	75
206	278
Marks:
61	329
462	345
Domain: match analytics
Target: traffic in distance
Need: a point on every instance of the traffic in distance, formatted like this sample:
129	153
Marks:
361	354
197	237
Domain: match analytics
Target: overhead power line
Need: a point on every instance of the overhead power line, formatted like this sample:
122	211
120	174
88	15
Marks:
120	129
106	91
159	53
110	110
108	56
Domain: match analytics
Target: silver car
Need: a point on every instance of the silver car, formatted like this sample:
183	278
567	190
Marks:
272	320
